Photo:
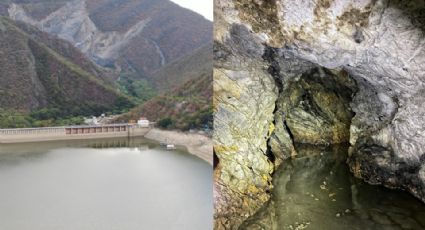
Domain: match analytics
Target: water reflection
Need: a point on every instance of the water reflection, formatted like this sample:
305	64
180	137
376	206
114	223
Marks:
101	185
315	190
89	143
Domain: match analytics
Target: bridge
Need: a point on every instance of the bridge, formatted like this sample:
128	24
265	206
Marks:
71	132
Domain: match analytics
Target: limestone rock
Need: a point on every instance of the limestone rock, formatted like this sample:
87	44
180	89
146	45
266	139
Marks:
244	100
316	107
378	43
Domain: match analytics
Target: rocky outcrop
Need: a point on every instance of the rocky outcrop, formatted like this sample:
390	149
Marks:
244	101
377	44
316	107
39	71
129	35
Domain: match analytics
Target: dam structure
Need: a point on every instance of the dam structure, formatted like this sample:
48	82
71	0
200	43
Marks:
72	132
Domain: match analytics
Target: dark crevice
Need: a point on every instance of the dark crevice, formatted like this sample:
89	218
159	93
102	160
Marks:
291	135
216	160
270	154
270	55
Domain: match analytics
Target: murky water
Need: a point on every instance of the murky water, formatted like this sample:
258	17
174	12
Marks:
317	191
117	184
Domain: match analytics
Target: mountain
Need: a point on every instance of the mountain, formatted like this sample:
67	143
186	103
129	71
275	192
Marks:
42	73
184	69
129	35
188	105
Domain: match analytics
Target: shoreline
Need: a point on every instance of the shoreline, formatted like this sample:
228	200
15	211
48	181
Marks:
196	144
23	135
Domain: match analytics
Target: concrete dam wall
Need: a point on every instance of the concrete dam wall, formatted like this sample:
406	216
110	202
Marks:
71	133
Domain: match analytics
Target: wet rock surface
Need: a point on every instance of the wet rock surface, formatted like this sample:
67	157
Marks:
244	100
378	44
316	107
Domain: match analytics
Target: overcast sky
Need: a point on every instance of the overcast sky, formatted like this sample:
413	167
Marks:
203	7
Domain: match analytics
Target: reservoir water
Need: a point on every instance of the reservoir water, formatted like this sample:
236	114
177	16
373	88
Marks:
116	184
316	191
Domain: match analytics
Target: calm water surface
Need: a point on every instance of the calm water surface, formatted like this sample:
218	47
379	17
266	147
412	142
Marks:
316	191
117	184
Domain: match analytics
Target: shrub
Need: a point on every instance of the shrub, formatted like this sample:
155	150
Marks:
166	123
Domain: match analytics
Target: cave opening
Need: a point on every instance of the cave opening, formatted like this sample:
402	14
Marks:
311	108
314	186
265	61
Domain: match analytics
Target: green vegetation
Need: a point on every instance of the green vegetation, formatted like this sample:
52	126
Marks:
40	118
140	90
57	88
184	98
202	119
186	107
61	115
166	123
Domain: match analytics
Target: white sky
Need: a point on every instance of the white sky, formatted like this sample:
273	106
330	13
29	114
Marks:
203	7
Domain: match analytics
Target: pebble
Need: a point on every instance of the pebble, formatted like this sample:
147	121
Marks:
338	215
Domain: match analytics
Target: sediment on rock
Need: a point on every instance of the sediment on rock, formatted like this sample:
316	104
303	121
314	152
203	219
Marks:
244	99
271	92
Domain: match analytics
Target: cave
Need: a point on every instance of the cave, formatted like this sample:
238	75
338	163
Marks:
332	82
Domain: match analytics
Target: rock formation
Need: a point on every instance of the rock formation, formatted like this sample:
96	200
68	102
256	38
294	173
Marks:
130	35
39	71
321	72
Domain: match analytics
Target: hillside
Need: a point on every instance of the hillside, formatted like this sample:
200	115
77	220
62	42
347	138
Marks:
187	106
130	35
48	77
184	69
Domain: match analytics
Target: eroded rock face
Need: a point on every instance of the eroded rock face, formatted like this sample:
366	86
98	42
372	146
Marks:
316	107
130	35
72	23
244	100
379	43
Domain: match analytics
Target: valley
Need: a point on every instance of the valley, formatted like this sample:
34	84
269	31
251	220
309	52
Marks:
105	115
128	61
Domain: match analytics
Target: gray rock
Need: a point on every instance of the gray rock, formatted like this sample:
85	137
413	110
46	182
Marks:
379	44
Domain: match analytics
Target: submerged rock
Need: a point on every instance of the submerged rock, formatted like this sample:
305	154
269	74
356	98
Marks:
297	200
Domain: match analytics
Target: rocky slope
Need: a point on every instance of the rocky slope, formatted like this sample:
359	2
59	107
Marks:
263	48
39	71
130	35
185	93
184	69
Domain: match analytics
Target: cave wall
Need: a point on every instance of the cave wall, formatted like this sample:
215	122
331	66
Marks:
379	43
244	100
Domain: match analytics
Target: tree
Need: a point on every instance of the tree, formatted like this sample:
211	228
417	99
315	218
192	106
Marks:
166	123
